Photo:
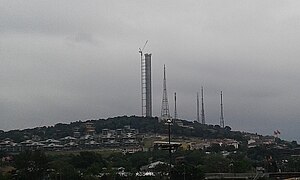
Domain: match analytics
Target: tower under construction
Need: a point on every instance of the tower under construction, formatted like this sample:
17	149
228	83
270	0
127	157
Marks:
165	114
222	124
146	81
202	108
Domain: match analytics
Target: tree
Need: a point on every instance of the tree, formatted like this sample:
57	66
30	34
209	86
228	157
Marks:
293	164
241	166
31	164
215	148
161	170
5	176
187	171
216	163
270	164
138	159
86	158
63	170
194	157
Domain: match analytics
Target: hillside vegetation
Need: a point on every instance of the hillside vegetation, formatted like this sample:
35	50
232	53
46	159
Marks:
143	124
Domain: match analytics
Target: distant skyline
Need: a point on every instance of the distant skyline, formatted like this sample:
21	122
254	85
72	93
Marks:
63	61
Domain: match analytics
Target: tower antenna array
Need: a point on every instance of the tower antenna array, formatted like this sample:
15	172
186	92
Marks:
165	114
202	109
222	124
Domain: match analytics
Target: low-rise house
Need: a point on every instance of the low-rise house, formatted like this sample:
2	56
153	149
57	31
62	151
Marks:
36	138
109	138
231	142
34	146
10	146
267	140
129	139
50	141
165	145
71	146
120	137
225	142
26	142
131	150
90	128
254	144
76	132
145	174
150	167
250	141
85	139
67	139
91	144
53	147
203	144
252	136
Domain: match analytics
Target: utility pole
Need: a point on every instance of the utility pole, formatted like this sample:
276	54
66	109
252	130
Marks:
169	121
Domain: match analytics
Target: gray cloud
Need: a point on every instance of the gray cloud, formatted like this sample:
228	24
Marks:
63	61
83	38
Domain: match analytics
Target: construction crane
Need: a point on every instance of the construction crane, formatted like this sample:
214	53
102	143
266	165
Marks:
141	50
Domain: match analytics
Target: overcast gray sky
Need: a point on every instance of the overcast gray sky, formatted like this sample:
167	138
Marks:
68	60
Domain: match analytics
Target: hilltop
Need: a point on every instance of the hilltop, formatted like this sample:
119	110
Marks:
144	125
132	146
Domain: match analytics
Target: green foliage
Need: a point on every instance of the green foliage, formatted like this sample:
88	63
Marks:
118	160
293	164
63	169
258	153
293	144
159	155
87	165
137	160
16	135
143	124
5	176
186	171
240	163
216	148
195	157
270	164
161	170
241	166
87	158
31	164
216	163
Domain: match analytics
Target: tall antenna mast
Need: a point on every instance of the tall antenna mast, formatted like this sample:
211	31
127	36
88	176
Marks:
222	124
198	117
202	109
165	114
146	94
175	108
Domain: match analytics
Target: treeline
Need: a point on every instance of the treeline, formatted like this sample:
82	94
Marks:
108	165
92	165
